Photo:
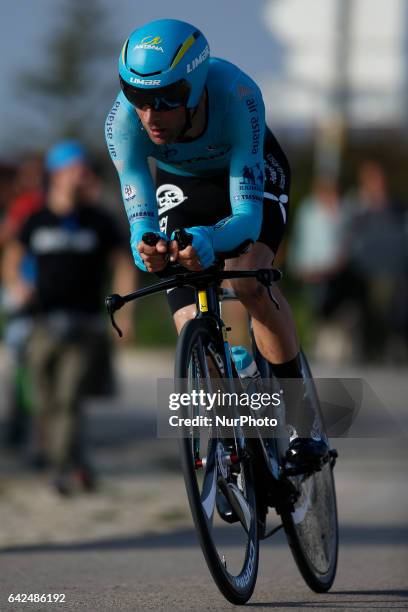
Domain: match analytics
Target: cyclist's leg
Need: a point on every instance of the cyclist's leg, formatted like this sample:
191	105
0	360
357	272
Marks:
184	314
275	335
274	330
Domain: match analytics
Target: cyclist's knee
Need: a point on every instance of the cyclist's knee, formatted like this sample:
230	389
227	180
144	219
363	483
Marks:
184	314
247	290
259	256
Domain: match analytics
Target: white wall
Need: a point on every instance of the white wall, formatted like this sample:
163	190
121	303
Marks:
377	60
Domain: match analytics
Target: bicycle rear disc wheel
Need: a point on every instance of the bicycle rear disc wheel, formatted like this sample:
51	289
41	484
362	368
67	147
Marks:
311	526
231	549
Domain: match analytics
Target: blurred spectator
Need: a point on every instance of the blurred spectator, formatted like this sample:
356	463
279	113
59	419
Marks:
27	198
378	256
73	244
317	258
316	252
7	187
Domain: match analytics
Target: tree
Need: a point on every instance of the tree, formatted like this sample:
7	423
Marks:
70	90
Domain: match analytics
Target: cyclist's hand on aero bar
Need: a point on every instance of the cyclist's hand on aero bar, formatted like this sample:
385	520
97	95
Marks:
154	257
187	257
150	257
196	256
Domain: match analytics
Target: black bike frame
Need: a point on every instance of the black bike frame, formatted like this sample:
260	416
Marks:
205	284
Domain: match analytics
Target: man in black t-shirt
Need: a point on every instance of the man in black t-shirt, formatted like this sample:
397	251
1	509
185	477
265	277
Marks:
71	251
73	243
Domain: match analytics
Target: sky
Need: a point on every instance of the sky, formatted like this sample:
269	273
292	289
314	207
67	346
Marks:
239	35
285	45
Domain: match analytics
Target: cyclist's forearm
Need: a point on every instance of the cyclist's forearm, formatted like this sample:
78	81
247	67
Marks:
234	230
129	149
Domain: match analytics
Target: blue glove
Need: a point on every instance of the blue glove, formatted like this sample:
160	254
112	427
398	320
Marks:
136	233
202	243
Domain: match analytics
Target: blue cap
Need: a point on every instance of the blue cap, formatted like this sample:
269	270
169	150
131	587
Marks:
64	154
242	358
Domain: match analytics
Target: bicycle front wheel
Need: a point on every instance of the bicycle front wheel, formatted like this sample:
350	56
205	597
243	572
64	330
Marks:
218	476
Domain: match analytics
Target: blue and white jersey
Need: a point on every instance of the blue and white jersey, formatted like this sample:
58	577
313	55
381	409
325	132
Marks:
231	142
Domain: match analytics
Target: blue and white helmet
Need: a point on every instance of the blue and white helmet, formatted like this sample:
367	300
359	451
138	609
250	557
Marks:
164	64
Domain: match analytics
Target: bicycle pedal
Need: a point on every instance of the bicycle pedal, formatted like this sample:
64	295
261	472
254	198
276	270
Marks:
298	469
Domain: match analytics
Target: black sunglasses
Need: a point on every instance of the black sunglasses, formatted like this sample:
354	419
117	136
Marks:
160	98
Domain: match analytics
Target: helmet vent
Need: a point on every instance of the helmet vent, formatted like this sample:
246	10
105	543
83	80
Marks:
124	52
175	55
145	74
195	35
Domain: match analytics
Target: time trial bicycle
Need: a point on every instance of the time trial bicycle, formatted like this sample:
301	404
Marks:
232	480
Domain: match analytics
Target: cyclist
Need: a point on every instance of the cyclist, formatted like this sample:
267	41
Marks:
221	174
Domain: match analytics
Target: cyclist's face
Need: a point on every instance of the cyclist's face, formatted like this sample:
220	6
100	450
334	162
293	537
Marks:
162	127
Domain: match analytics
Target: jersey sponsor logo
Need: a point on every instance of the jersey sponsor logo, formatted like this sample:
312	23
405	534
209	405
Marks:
198	60
252	177
193	160
251	104
140	215
247	196
55	239
135	211
129	192
110	119
282	200
283	212
169	196
256	132
163	224
274	172
243	91
145	81
112	150
256	129
150	42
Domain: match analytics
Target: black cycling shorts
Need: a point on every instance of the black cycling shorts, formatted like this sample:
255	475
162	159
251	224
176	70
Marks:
187	201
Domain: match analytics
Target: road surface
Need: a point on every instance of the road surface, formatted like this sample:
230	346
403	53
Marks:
133	546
